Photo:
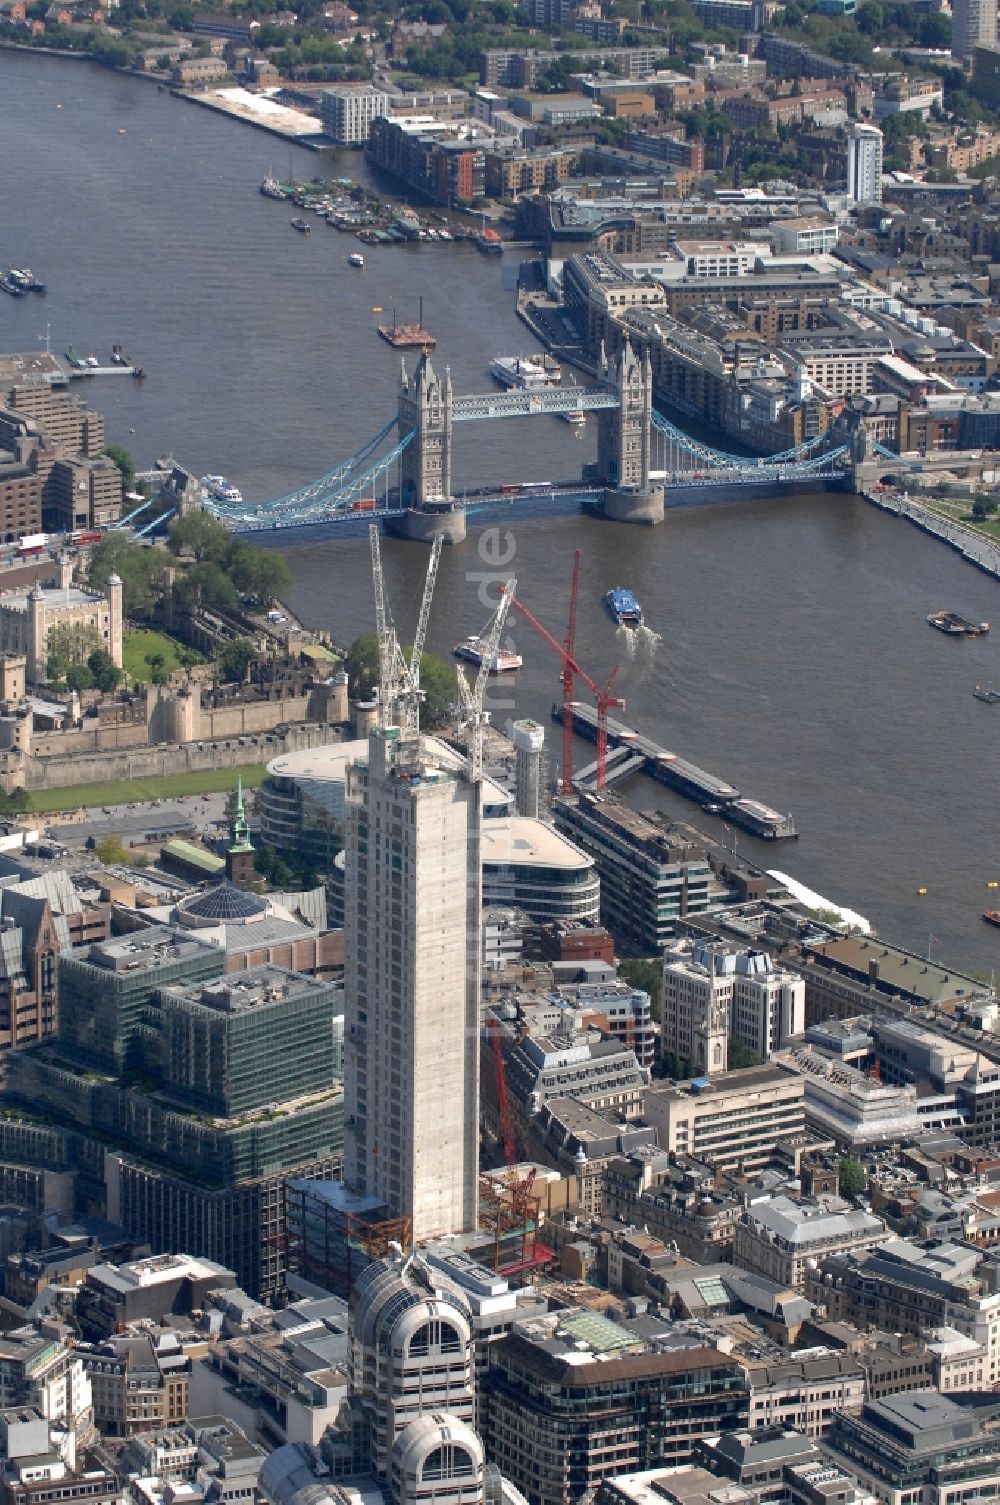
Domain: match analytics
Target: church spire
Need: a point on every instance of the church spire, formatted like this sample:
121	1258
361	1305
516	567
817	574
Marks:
240	829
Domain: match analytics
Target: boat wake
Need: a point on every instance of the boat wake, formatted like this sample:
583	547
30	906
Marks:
638	644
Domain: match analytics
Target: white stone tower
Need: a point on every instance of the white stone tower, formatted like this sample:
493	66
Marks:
113	596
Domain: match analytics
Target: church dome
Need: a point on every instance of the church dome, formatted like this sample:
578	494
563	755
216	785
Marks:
224	904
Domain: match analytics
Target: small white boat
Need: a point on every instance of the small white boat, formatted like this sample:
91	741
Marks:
356	259
576	418
473	651
221	489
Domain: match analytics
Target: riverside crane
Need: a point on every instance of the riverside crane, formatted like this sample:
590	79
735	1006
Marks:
399	682
606	699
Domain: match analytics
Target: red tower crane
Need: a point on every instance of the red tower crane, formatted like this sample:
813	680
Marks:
567	680
606	700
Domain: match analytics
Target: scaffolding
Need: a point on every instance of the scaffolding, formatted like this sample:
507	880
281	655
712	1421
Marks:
510	1213
330	1244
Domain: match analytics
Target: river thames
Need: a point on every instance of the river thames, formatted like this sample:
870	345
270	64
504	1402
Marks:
793	656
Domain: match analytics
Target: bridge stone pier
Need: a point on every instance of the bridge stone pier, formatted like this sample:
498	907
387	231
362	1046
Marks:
623	441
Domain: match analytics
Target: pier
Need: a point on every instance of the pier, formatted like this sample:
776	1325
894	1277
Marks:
77	373
630	752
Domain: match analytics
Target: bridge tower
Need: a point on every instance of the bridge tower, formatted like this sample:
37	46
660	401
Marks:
425	407
623	442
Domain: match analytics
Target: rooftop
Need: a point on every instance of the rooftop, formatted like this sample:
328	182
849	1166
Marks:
519	840
159	946
243	992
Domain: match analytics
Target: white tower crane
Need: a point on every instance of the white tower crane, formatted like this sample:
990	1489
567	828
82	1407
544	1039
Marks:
471	700
399	689
413	695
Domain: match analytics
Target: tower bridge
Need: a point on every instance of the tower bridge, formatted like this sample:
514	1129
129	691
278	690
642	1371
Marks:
620	484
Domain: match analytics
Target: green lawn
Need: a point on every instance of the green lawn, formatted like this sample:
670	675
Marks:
144	640
208	781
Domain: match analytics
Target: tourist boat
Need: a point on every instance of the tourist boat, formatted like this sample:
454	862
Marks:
576	418
992	917
530	371
25	279
221	489
501	662
302	225
956	626
356	259
623	607
987	693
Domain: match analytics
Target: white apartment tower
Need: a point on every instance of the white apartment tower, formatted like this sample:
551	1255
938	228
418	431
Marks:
973	24
413	907
348	111
864	162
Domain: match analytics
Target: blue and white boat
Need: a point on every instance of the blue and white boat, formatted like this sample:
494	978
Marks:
623	607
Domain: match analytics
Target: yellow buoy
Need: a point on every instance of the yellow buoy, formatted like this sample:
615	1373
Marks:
992	883
377	309
921	890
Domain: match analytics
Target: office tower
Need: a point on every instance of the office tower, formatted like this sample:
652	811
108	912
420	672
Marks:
205	1092
529	742
864	162
413	915
565	1404
410	1340
405	1434
973	24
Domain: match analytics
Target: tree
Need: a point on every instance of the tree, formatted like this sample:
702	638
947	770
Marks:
79	678
71	643
852	1177
208	585
201	534
871	18
437	680
740	1055
105	671
235	659
110	850
935	31
124	461
259	574
140	569
14	803
645	973
361	665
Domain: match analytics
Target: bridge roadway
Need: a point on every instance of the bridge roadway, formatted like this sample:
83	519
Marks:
539	501
523	402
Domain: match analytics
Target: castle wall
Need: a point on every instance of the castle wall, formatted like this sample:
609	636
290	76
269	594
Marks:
123	764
